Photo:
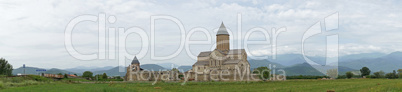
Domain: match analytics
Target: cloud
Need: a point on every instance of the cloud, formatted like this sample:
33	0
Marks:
32	32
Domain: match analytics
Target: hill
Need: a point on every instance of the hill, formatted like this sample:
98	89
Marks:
115	71
28	70
56	71
153	67
184	68
32	70
302	69
352	57
307	69
168	65
387	63
82	69
258	63
293	59
112	72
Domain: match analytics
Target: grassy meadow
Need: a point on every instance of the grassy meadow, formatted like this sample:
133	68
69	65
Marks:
339	85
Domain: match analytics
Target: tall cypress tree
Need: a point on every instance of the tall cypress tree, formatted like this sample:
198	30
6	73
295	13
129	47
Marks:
5	67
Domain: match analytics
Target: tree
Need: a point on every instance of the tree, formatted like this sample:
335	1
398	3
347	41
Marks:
365	71
349	75
75	74
333	73
117	77
5	67
65	76
400	73
87	74
379	74
175	70
264	72
59	74
394	74
104	76
389	76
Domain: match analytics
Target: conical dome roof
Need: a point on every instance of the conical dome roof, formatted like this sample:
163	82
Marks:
222	30
135	61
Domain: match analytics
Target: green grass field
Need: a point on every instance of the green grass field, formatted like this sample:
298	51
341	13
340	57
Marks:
339	85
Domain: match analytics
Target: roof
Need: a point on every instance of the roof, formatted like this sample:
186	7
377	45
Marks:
72	75
236	51
222	30
232	61
201	63
220	51
204	54
135	61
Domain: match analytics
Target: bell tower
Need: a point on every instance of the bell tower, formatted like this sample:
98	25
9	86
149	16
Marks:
222	39
135	64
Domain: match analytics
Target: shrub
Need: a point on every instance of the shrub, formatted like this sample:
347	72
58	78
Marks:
341	77
392	75
263	71
1	85
38	78
17	79
306	77
349	75
31	82
379	74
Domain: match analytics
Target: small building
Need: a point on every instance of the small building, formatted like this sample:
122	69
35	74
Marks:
136	73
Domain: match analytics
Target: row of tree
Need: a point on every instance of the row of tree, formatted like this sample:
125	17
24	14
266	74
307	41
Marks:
365	71
100	77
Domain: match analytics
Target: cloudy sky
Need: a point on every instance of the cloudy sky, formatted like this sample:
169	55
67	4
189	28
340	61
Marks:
33	32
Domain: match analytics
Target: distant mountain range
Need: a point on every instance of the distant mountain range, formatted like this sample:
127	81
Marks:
153	67
293	64
297	69
293	59
352	57
168	65
185	68
261	63
386	63
82	69
32	70
112	72
307	69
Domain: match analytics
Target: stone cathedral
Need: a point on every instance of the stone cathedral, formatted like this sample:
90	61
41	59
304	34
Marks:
222	58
